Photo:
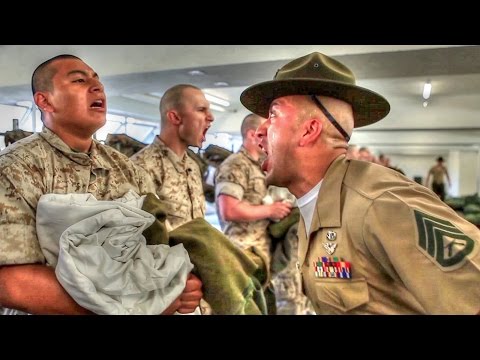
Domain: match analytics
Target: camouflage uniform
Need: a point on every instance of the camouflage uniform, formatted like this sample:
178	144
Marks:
241	177
178	181
43	164
288	282
179	186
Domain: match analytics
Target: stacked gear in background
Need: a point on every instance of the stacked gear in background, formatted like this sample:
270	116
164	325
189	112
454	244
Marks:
15	135
124	143
466	206
213	155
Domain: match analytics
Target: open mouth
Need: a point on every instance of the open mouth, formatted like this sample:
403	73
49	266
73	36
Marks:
204	134
98	104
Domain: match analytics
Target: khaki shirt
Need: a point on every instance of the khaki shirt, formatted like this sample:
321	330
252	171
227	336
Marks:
408	252
44	164
178	181
241	177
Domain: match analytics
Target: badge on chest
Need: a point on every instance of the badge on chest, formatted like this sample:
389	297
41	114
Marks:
332	267
330	246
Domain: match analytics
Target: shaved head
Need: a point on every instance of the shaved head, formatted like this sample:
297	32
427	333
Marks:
172	99
250	122
343	113
44	73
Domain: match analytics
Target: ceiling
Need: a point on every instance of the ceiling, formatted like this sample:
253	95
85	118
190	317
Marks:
131	73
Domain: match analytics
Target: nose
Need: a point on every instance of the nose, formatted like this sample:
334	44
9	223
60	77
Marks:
210	116
97	85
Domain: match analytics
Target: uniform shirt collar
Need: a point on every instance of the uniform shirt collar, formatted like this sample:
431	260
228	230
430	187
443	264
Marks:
91	158
244	151
328	213
179	163
327	206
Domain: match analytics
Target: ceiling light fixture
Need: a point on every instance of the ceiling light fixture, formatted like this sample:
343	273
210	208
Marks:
217	100
221	83
196	73
427	90
425	103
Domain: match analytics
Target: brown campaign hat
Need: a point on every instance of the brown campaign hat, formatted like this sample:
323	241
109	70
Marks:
317	74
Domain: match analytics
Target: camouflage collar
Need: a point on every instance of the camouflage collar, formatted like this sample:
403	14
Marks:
80	158
179	163
247	154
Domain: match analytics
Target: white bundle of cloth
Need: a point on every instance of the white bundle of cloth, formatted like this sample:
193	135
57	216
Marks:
101	257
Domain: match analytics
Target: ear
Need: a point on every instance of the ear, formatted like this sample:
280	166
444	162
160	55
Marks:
251	135
310	131
42	102
173	117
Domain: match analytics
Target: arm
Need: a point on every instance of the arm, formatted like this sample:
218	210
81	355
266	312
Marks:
232	209
427	182
405	249
34	288
448	177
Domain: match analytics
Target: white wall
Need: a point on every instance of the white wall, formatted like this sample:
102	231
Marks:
463	167
413	165
463	172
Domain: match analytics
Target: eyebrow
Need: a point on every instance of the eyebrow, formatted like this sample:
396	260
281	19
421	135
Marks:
81	72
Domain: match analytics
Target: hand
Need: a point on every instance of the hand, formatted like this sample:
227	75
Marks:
191	295
173	307
279	210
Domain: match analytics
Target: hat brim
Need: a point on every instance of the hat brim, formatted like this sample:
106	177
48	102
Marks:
368	106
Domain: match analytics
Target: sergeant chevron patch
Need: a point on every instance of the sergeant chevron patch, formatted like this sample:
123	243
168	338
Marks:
442	242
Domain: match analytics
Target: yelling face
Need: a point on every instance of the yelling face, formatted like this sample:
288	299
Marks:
278	137
77	101
196	117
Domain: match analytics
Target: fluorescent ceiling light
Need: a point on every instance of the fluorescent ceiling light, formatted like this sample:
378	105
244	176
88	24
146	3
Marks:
216	100
217	108
427	89
196	73
156	94
221	83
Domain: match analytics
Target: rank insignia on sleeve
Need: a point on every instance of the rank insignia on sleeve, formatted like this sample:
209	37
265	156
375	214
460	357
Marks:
442	242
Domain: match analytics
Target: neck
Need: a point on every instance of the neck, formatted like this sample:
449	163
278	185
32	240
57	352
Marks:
253	150
310	172
173	142
76	141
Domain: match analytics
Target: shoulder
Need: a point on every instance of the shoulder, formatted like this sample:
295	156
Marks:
373	180
237	159
25	151
151	155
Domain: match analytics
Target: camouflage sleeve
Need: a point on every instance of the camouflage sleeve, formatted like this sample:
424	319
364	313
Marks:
429	248
18	239
231	179
145	181
152	164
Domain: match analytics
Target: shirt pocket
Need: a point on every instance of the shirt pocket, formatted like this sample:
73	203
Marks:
343	295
